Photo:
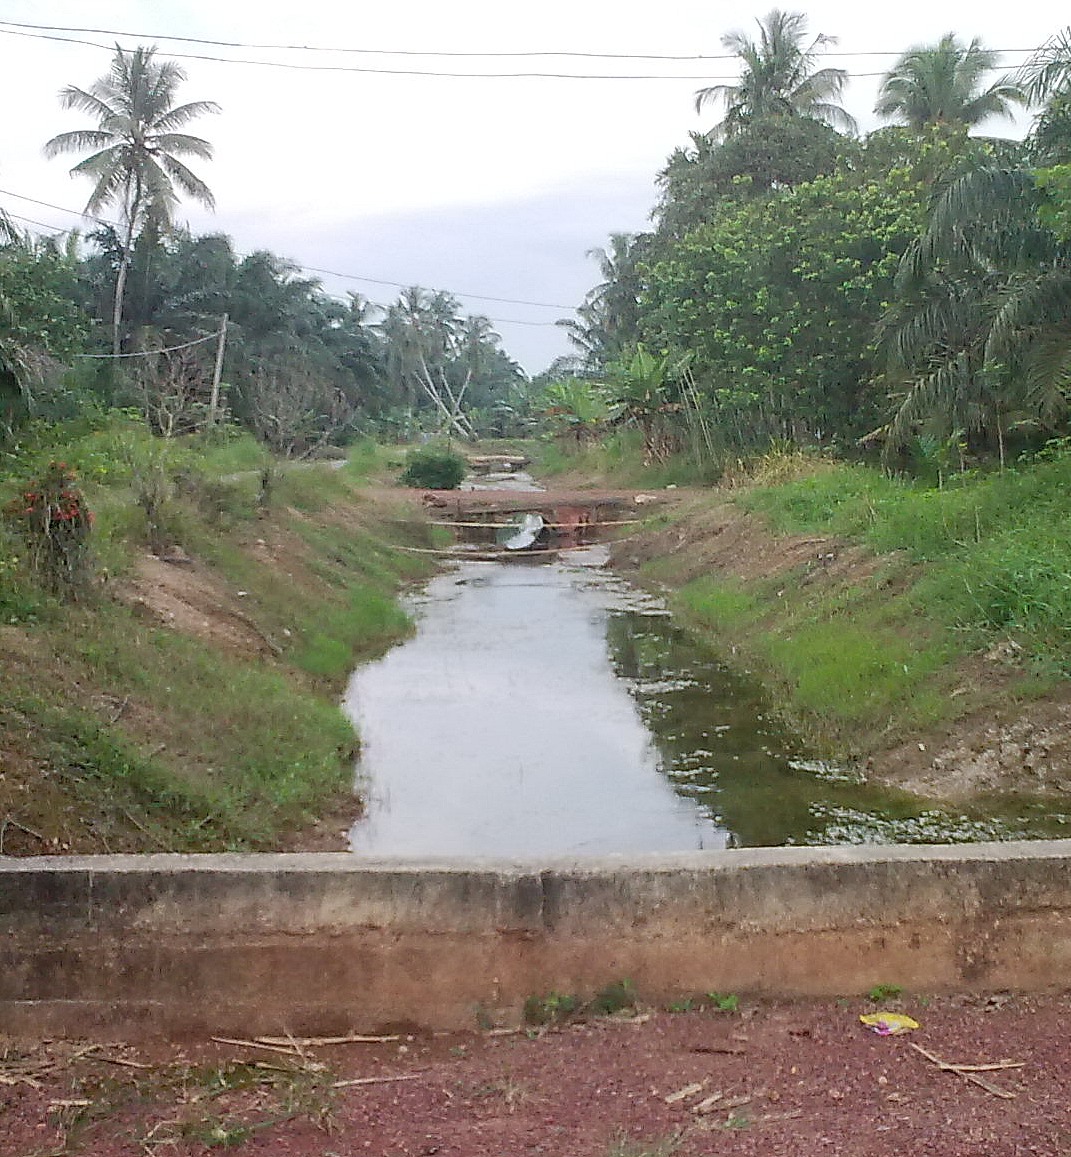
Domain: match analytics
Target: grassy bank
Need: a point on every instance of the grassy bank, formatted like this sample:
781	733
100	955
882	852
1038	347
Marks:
877	608
192	704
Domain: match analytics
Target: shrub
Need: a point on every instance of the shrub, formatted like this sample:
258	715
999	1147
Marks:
436	467
55	522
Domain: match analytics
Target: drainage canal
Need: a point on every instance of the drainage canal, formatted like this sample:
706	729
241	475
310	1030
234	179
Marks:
547	708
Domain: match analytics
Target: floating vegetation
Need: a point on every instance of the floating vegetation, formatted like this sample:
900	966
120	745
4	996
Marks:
844	825
828	771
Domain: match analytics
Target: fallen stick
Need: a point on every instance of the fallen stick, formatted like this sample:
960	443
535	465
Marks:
23	1078
513	525
313	1041
124	1061
682	1094
970	1072
253	1044
990	1068
374	1080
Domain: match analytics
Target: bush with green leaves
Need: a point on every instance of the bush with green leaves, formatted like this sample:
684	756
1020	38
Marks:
434	467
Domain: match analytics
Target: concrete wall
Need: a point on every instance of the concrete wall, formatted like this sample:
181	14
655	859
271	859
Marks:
317	943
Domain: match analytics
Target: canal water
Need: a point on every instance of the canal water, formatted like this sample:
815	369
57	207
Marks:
547	708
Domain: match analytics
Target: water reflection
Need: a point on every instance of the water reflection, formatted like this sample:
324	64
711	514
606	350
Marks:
500	728
720	747
546	709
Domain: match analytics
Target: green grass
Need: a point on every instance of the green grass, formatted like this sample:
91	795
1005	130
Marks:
995	549
365	626
848	656
154	738
855	672
720	605
619	460
246	746
1016	584
114	781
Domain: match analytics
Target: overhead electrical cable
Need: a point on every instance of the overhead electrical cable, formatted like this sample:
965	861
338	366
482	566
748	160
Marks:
310	268
483	54
152	353
432	73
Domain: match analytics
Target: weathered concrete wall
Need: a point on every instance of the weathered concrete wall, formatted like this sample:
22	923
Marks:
316	943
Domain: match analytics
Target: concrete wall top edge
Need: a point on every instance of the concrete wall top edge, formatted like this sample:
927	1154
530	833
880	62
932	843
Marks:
734	859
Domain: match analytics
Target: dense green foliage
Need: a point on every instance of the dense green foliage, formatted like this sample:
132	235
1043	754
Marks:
139	313
997	544
909	292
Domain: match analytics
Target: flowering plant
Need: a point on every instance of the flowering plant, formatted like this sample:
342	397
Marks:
55	521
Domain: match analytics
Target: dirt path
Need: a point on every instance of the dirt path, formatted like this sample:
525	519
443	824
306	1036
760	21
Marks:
780	1078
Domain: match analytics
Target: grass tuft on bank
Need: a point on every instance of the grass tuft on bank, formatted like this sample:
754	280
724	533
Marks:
996	547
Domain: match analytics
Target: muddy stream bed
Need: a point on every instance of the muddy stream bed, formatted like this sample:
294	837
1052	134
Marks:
545	707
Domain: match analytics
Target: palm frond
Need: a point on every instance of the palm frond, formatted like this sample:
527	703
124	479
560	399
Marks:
93	102
175	118
1047	380
182	145
78	141
1048	71
933	393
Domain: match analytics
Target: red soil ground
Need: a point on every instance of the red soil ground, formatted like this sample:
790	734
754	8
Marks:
799	1078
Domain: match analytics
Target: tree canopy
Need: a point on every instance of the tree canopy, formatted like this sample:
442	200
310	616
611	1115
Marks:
945	84
779	77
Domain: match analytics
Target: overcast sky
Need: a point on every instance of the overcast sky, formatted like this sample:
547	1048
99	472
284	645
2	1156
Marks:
487	187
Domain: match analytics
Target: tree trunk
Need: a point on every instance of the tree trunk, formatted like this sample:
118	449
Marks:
117	312
133	204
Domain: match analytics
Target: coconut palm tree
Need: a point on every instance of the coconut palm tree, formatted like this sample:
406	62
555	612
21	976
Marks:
942	84
424	335
779	77
134	163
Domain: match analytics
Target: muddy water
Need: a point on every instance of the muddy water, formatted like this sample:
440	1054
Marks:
546	708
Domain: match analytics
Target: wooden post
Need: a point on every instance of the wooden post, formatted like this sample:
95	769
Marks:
217	373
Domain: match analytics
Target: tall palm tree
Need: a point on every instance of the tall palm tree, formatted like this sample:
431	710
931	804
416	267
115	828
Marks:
424	335
779	77
978	337
134	164
1046	80
942	84
1048	71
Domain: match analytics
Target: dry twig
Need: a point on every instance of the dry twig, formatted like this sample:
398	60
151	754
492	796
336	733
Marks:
316	1041
970	1072
256	1044
375	1080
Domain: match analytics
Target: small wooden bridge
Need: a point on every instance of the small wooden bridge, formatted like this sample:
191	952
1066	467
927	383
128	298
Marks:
571	518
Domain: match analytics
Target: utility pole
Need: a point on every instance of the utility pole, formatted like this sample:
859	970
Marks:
217	373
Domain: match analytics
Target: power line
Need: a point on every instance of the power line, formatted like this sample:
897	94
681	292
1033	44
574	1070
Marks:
452	292
152	353
432	73
308	268
527	54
